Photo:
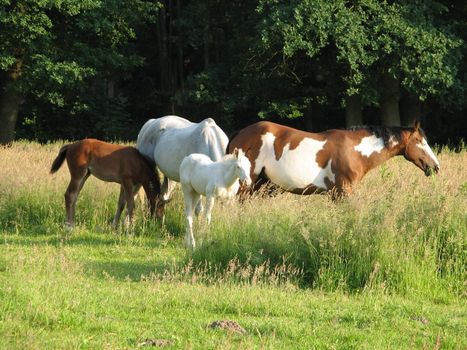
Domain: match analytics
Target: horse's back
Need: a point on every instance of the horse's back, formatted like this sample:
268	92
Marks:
287	156
213	140
153	129
251	136
169	139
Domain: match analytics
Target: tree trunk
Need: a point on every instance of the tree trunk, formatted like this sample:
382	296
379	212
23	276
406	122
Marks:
9	107
163	49
181	72
110	88
390	101
411	109
10	99
308	118
353	110
206	46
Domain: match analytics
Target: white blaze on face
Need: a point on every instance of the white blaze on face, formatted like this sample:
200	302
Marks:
295	168
427	149
370	144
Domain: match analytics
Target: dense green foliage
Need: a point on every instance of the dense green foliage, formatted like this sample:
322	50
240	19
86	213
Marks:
70	69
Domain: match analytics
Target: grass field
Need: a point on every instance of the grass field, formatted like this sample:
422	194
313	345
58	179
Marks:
383	269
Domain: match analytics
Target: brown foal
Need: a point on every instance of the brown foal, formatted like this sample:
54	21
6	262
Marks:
111	163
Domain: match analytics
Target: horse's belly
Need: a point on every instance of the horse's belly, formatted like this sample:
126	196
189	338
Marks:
172	148
168	160
170	170
295	171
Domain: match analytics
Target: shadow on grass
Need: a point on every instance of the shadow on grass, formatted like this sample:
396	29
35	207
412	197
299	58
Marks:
126	270
82	239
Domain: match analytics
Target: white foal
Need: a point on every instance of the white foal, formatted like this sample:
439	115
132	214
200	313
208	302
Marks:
199	175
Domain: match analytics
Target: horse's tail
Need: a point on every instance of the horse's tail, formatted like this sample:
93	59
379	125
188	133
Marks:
58	161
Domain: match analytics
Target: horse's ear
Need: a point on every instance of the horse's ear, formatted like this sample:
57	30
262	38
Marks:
416	125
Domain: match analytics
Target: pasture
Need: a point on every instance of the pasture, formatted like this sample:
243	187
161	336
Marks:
383	269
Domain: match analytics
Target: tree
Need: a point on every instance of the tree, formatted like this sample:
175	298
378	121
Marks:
56	51
374	49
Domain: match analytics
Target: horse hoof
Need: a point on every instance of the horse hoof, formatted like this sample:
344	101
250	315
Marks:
68	226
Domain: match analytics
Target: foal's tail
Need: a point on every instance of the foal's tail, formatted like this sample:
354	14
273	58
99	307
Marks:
58	161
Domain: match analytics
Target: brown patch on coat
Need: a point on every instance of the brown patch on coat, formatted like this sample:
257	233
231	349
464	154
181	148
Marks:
249	141
285	135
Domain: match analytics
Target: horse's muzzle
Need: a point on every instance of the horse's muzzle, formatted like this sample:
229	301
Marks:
246	182
431	170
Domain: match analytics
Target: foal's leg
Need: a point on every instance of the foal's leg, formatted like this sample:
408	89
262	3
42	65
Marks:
199	208
130	201
120	207
209	205
78	178
189	197
140	195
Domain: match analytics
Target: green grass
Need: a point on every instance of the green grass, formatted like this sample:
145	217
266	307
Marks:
384	269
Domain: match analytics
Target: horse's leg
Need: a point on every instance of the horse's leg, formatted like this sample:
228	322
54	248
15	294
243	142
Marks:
130	201
120	207
78	178
209	206
167	188
188	196
342	189
139	194
245	191
199	207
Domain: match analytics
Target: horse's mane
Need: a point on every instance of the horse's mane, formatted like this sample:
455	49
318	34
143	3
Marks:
385	132
229	156
151	169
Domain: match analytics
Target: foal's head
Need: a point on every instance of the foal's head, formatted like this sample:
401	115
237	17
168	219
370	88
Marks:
242	166
419	152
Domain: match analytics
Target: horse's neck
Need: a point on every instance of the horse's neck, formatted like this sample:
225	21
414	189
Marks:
386	153
228	174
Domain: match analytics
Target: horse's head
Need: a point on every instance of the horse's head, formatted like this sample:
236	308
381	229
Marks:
159	207
242	166
419	152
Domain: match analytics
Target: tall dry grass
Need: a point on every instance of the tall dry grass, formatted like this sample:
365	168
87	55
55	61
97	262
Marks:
398	232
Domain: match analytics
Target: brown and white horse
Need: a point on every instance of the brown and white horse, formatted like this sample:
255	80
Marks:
111	163
306	163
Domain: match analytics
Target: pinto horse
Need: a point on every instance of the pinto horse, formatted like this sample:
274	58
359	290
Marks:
199	175
168	140
111	163
305	163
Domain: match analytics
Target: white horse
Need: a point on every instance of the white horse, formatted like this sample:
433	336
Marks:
199	175
169	139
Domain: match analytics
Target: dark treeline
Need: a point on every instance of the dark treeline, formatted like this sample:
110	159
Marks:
85	68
